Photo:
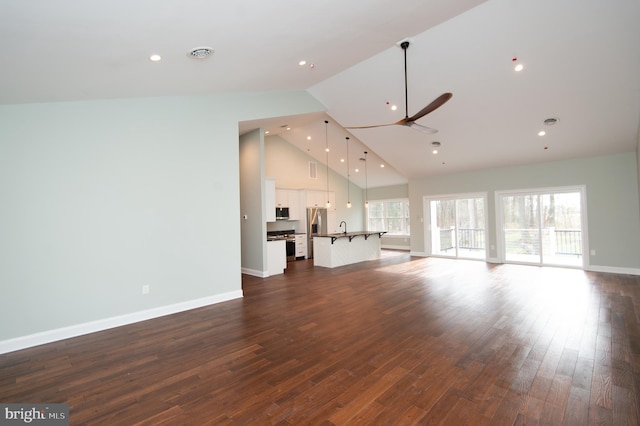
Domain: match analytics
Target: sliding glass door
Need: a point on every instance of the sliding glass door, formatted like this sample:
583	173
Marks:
457	226
542	227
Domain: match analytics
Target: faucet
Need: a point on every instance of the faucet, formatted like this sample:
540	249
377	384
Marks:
345	226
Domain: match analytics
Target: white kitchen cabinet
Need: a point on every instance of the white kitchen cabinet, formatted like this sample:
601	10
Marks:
301	245
289	198
270	200
282	197
294	205
276	257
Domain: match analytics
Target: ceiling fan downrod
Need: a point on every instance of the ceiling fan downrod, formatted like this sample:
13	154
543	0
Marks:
405	46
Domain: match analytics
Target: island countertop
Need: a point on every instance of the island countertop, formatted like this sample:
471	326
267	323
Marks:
350	235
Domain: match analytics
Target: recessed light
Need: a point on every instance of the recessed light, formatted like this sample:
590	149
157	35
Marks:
308	138
435	151
342	160
394	107
155	58
200	52
542	133
382	166
518	67
302	63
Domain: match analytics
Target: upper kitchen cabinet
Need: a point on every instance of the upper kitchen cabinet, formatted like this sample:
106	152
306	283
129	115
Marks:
270	198
289	198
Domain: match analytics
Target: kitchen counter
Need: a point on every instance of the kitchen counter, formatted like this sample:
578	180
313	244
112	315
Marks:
332	250
350	235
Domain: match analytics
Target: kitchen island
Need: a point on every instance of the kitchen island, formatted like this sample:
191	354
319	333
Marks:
332	250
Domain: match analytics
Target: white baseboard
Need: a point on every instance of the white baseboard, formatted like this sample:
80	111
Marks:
613	270
392	247
255	273
49	336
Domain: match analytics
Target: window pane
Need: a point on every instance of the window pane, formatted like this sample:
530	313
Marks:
521	229
561	229
390	216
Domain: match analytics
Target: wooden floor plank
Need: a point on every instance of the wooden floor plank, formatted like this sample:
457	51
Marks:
401	340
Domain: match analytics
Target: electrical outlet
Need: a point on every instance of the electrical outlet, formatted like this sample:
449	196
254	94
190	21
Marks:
146	289
593	252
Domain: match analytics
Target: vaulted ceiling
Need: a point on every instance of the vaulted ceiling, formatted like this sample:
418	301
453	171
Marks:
581	66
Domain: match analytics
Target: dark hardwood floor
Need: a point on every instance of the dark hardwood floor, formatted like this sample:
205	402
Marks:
400	340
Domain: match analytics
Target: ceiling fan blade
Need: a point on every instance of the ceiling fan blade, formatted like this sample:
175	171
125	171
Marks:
420	128
371	127
437	103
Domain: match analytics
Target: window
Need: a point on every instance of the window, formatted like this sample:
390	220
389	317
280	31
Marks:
543	227
457	225
390	216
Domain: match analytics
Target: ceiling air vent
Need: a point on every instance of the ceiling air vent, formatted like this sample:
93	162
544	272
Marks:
200	52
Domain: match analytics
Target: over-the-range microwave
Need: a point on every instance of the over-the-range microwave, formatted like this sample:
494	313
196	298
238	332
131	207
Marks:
282	213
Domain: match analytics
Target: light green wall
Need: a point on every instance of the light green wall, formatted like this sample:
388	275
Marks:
638	162
252	200
388	192
612	195
102	197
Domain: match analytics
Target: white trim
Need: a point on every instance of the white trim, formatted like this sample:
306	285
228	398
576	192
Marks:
255	272
392	247
418	254
582	189
426	214
49	336
613	270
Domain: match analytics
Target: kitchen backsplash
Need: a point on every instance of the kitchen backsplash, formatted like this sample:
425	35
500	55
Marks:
283	225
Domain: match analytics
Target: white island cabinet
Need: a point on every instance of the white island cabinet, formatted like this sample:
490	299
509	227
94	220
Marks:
334	250
276	257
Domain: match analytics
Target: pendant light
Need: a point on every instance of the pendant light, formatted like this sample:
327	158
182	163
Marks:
366	184
348	177
326	138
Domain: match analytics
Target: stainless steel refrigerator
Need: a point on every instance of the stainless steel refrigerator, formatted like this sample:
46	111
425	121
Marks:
316	224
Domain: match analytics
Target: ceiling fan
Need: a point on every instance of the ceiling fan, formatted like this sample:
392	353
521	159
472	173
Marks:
411	121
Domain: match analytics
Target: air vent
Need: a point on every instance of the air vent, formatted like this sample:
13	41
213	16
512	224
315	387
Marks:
201	52
313	170
550	121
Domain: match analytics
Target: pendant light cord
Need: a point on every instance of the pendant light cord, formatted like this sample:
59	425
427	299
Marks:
326	138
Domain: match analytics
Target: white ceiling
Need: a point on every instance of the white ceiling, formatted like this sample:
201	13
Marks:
582	65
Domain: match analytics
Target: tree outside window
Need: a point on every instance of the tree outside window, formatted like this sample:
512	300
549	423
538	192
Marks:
390	216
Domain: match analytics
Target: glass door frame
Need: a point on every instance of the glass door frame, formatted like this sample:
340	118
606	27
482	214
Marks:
426	209
500	235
